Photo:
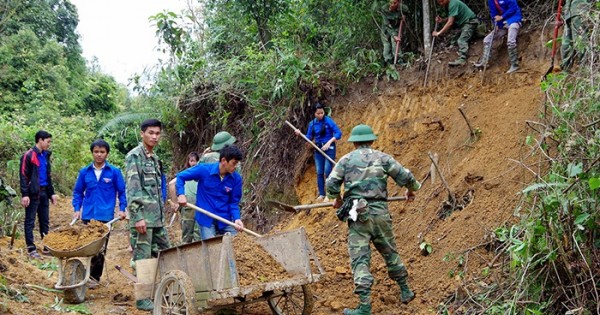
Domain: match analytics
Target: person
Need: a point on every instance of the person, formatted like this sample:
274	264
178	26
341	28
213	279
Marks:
97	188
390	15
324	132
507	18
459	15
221	139
146	193
36	189
219	192
189	228
364	173
573	31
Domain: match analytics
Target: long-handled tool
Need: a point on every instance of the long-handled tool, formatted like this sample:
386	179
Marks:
557	24
489	53
218	218
311	143
429	58
295	209
127	274
399	38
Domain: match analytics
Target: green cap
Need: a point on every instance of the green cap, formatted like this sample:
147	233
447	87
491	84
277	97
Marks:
362	133
222	139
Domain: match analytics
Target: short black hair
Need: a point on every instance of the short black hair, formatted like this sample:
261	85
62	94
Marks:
230	152
42	134
150	123
100	143
318	106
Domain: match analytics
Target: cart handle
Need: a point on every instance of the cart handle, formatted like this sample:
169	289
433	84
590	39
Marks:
216	217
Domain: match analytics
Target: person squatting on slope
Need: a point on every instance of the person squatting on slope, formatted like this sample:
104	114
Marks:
96	190
574	31
364	173
507	18
146	195
459	15
324	132
36	189
219	192
190	231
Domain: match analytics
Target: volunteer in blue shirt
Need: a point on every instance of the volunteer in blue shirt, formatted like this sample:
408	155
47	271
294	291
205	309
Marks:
324	132
98	186
219	192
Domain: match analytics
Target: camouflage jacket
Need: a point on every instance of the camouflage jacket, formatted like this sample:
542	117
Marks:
146	185
364	173
575	7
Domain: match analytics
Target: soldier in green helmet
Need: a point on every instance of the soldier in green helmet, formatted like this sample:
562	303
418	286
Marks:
364	173
220	140
574	30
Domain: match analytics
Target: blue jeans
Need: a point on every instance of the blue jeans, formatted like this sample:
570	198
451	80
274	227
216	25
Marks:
323	166
207	232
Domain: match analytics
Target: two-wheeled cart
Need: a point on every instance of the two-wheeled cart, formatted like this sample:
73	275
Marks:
202	276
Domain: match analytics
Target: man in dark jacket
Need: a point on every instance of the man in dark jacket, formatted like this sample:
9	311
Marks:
37	189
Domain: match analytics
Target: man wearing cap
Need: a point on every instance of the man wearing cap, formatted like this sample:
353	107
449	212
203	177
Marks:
364	173
220	140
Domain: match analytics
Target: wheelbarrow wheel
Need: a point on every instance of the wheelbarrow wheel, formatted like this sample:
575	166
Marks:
175	294
74	273
295	300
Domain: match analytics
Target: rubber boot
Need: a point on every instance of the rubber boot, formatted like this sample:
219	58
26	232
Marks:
406	295
485	57
458	62
144	305
362	309
513	56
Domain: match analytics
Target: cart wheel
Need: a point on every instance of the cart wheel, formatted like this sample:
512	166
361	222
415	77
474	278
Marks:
74	273
295	300
175	294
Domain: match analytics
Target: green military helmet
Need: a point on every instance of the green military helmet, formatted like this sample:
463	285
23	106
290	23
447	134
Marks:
222	139
362	133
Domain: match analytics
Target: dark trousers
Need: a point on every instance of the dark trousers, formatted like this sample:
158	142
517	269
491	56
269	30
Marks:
39	207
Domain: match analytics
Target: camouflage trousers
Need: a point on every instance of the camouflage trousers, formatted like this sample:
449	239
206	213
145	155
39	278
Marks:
147	245
389	43
378	230
466	33
573	33
190	231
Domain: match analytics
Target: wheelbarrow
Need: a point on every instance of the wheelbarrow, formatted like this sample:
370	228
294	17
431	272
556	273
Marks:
75	265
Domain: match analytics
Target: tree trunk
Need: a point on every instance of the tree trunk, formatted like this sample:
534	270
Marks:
426	26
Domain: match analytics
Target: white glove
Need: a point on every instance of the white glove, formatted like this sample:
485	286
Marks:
353	213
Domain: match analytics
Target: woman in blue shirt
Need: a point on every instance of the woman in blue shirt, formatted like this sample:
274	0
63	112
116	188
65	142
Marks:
324	132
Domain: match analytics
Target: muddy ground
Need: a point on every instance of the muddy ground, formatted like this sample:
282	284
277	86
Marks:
488	169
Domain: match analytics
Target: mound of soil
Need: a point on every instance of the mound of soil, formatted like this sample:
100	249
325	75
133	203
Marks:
75	237
254	264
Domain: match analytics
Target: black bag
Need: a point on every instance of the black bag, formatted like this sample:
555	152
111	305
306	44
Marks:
343	212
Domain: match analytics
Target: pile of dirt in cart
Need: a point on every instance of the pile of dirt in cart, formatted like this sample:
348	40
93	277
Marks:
490	168
75	237
255	265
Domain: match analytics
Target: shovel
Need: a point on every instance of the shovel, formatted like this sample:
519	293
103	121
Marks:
489	53
311	143
296	209
399	39
557	24
127	274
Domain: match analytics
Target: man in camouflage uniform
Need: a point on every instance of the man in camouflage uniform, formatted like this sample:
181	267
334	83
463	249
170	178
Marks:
459	15
390	22
146	191
364	173
574	30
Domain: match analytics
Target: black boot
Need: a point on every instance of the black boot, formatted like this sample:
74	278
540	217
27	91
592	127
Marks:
513	56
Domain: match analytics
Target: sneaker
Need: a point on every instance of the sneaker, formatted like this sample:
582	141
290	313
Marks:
326	199
144	305
320	198
458	62
34	254
92	284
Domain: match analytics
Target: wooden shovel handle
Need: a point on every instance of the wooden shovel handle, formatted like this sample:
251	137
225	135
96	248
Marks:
329	204
218	218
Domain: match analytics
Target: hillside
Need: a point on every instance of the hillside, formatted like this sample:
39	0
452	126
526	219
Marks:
410	121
